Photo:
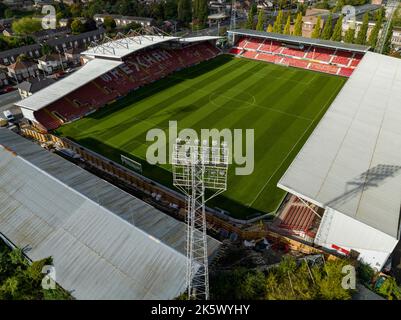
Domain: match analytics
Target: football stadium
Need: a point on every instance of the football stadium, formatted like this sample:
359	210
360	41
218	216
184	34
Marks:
325	117
282	101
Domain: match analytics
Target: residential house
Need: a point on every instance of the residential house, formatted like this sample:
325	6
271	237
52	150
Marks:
396	38
29	87
82	40
22	70
8	57
7	32
19	4
46	34
6	23
356	24
3	77
310	19
73	55
52	62
64	22
60	44
122	21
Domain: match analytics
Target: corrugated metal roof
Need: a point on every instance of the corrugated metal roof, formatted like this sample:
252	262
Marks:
120	48
59	89
352	161
106	244
301	40
200	38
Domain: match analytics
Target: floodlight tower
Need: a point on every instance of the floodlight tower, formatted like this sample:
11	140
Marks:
197	168
233	17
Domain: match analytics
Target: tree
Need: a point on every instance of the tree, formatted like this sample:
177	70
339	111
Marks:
201	11
3	8
251	14
288	280
26	26
109	24
390	290
132	26
278	23
316	29
339	5
337	32
184	11
76	10
157	10
374	34
90	24
349	36
77	26
387	41
287	27
9	13
124	7
361	37
298	25
261	20
46	49
327	29
20	280
323	5
170	9
302	8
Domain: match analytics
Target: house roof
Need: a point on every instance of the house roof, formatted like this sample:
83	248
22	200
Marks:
118	16
21	65
35	84
50	57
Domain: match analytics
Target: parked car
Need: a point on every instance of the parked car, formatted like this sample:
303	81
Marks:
9	116
9	89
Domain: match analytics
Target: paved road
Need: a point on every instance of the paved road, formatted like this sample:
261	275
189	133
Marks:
7	100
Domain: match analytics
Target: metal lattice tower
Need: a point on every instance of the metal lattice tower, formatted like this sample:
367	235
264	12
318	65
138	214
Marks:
197	168
392	8
233	17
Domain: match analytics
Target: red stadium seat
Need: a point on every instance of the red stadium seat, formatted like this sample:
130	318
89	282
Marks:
323	68
138	69
346	72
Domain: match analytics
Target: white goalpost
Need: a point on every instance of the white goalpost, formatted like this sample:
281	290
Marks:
131	163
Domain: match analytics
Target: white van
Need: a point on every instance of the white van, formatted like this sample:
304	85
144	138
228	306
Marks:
9	116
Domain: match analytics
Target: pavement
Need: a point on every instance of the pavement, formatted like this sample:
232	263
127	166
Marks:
7	101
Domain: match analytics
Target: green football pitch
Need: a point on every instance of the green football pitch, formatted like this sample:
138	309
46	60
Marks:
282	104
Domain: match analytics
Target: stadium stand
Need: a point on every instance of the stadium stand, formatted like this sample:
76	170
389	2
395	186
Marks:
140	68
327	60
346	72
320	54
235	51
323	68
298	218
342	58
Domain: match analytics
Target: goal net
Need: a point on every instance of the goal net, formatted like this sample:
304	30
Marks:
131	163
